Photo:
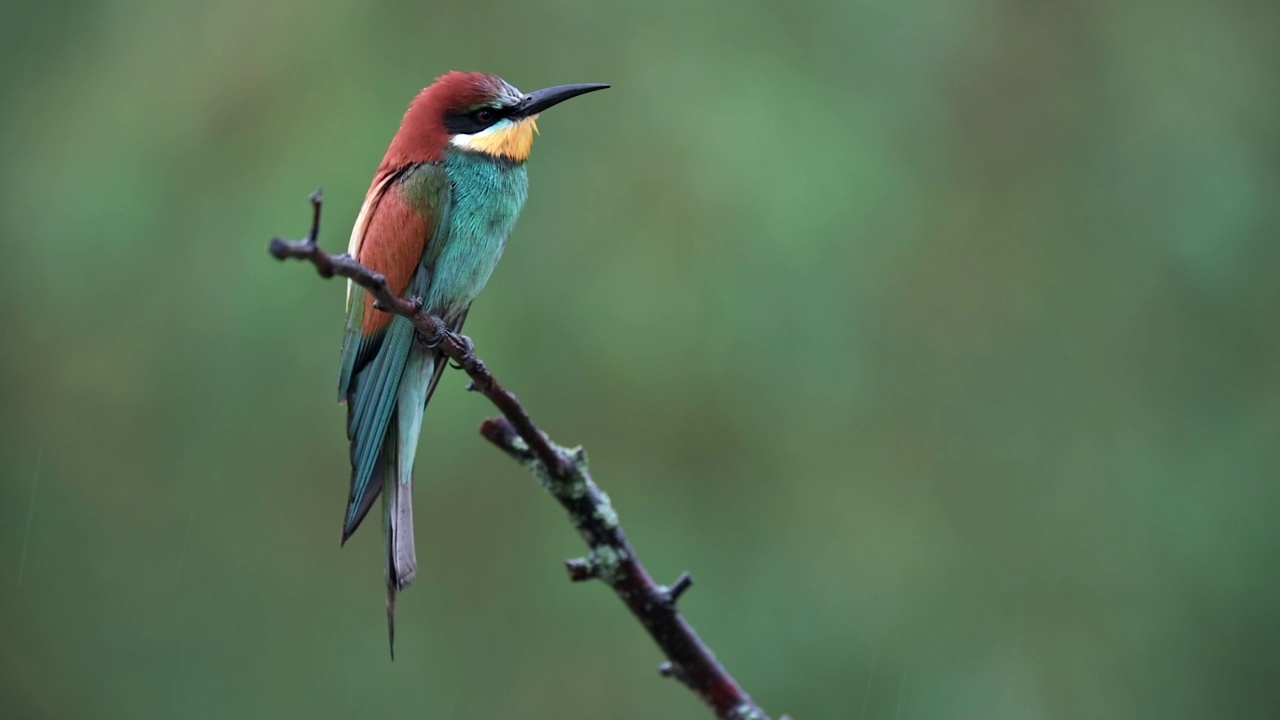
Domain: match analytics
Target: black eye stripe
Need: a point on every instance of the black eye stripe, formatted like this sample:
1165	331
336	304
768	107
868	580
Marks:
470	123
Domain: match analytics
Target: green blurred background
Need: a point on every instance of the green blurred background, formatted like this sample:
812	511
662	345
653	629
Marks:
938	340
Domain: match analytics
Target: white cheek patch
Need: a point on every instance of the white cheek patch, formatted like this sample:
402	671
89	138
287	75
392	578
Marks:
468	142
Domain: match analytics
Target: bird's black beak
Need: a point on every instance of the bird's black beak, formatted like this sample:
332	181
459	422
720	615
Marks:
539	100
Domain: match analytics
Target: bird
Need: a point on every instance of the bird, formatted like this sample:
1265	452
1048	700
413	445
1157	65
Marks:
434	223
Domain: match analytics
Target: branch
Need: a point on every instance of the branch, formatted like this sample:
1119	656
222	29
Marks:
562	472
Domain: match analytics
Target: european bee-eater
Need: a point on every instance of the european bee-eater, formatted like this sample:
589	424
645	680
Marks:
434	222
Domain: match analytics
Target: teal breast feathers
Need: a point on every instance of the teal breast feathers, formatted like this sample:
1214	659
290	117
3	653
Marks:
485	201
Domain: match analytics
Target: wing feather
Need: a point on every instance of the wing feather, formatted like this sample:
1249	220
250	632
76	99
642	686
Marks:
401	223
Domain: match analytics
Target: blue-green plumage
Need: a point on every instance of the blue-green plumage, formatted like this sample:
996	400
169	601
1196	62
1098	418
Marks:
486	199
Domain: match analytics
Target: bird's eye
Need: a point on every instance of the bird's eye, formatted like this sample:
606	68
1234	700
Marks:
486	116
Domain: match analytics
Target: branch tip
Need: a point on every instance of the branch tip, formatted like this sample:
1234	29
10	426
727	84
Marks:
313	235
580	569
500	432
683	583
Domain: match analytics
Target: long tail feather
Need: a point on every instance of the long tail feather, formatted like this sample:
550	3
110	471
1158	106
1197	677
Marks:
402	564
388	467
420	378
394	476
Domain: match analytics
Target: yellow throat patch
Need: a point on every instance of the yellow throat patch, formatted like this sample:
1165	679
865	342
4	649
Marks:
513	141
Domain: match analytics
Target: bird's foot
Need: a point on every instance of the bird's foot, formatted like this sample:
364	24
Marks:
468	348
432	341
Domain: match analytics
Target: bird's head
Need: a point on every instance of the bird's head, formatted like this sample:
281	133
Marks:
476	112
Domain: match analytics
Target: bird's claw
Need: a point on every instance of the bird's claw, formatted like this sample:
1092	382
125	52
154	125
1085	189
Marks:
432	342
468	348
435	341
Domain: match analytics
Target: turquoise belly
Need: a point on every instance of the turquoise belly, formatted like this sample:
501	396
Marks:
485	200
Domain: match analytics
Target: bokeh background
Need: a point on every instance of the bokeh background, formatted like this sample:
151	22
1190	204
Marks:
938	340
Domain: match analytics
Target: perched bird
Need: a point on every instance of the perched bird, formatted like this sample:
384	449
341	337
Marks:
434	222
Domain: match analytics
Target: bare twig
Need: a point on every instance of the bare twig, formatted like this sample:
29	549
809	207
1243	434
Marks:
563	472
